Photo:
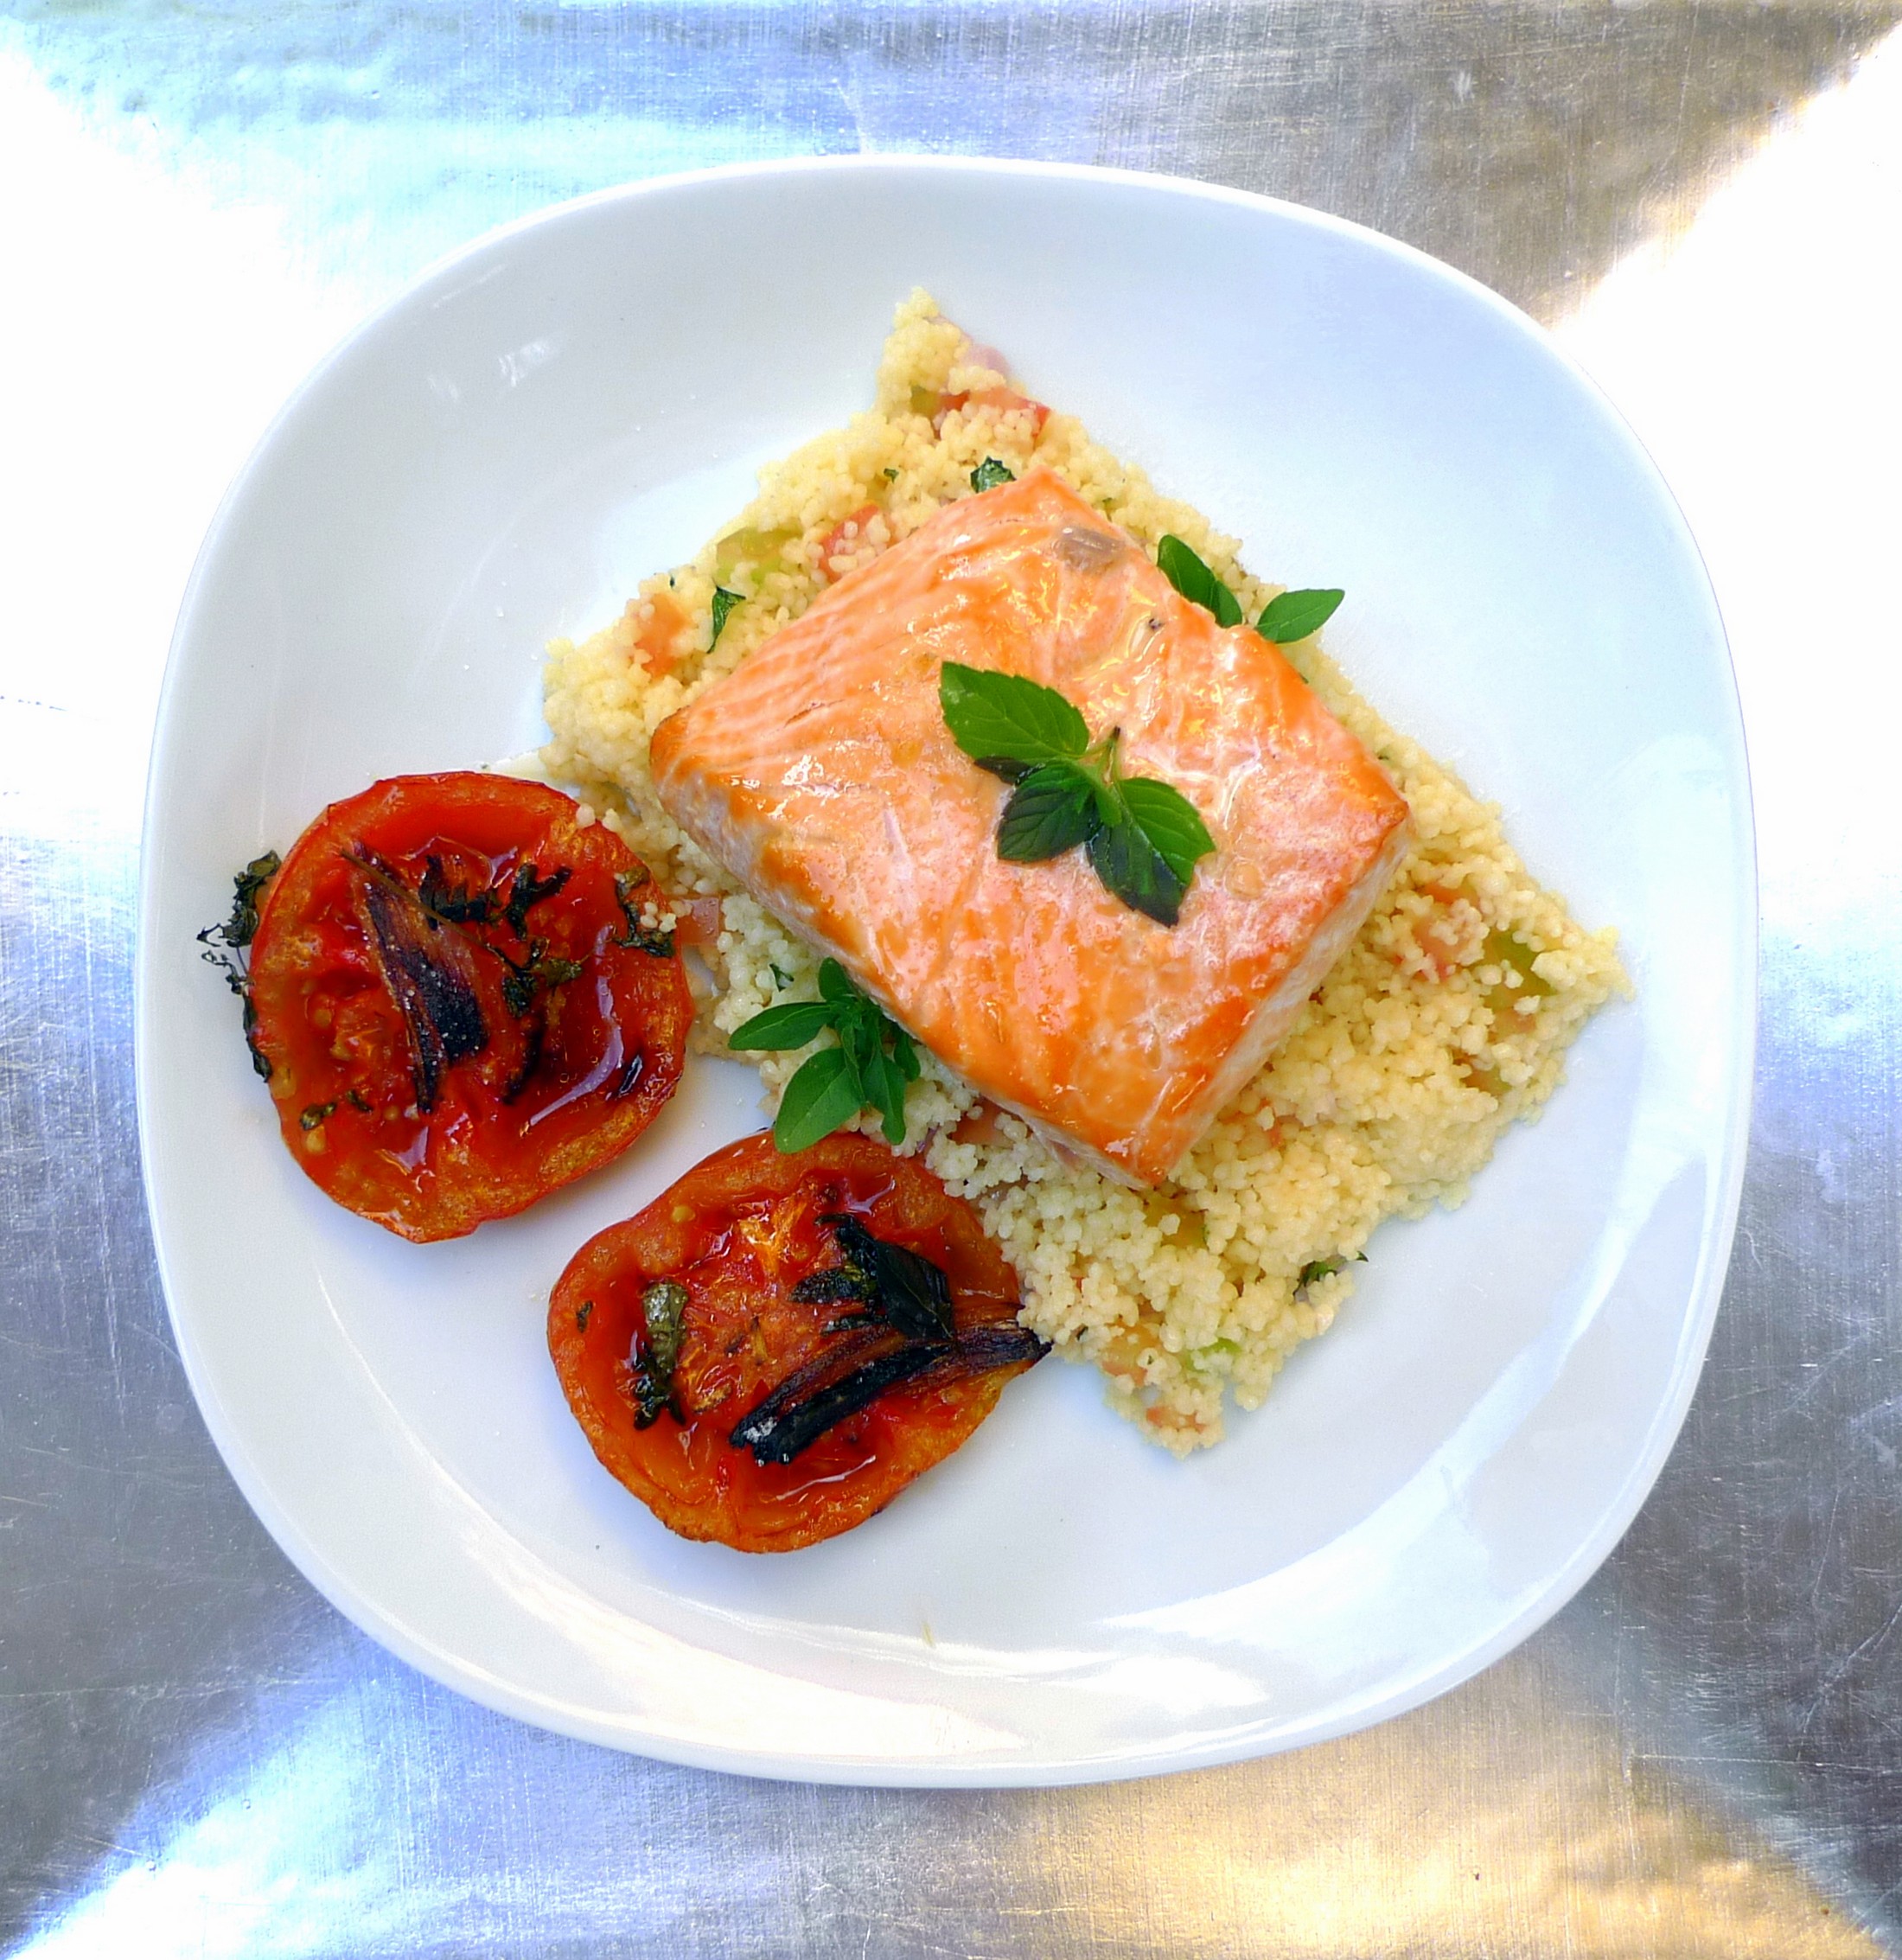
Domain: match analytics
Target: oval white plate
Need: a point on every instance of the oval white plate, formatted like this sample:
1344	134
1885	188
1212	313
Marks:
497	457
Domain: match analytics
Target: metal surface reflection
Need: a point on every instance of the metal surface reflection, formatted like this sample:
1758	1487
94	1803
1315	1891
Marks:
1697	1758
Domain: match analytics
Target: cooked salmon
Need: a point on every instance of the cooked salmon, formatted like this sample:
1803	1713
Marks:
821	774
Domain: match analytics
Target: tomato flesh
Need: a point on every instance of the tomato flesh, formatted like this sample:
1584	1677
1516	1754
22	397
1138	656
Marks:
739	1232
457	1006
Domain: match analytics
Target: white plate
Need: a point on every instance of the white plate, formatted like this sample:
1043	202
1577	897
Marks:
497	457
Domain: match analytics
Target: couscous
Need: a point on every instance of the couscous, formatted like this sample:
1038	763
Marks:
1447	1018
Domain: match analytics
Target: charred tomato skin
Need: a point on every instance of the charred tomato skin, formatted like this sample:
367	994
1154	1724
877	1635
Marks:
739	1231
438	1059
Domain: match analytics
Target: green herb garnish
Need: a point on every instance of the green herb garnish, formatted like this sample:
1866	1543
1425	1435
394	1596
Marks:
833	1086
225	946
1143	838
1292	616
1053	808
318	1113
241	928
642	938
454	904
724	603
1185	570
1326	1268
663	1307
540	972
883	1281
1008	725
529	890
1295	614
990	473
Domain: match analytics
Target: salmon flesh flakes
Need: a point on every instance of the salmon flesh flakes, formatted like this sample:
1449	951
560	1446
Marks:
822	775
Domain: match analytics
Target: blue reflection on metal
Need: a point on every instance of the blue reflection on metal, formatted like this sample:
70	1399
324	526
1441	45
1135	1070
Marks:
353	1838
286	1860
389	133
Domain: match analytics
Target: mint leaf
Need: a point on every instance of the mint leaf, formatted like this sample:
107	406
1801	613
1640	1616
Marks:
824	1095
1051	809
904	1052
1171	822
990	473
1004	717
724	603
1185	571
792	1025
1137	873
1295	614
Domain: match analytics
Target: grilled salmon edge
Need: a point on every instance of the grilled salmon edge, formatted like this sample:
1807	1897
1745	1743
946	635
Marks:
1267	1026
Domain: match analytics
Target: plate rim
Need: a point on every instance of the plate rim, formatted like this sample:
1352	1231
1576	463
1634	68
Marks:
1419	1686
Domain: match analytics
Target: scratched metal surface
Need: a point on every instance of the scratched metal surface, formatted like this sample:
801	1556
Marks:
1700	1756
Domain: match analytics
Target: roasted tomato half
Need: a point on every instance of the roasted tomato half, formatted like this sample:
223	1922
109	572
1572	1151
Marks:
776	1346
460	1000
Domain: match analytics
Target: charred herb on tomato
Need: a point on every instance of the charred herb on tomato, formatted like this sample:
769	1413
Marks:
538	972
429	971
641	936
454	904
528	891
838	1384
896	1291
657	1348
890	1282
225	945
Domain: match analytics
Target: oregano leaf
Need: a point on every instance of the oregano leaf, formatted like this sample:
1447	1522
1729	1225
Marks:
823	1096
724	603
1182	567
791	1025
1293	615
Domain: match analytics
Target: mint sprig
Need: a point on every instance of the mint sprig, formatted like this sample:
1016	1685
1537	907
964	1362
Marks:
832	1087
1292	616
1143	836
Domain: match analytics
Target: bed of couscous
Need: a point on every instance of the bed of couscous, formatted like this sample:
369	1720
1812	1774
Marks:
1447	1018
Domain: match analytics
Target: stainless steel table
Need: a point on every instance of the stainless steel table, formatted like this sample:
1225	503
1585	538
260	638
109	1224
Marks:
1702	1756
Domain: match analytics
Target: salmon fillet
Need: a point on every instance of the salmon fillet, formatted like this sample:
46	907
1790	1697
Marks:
822	775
